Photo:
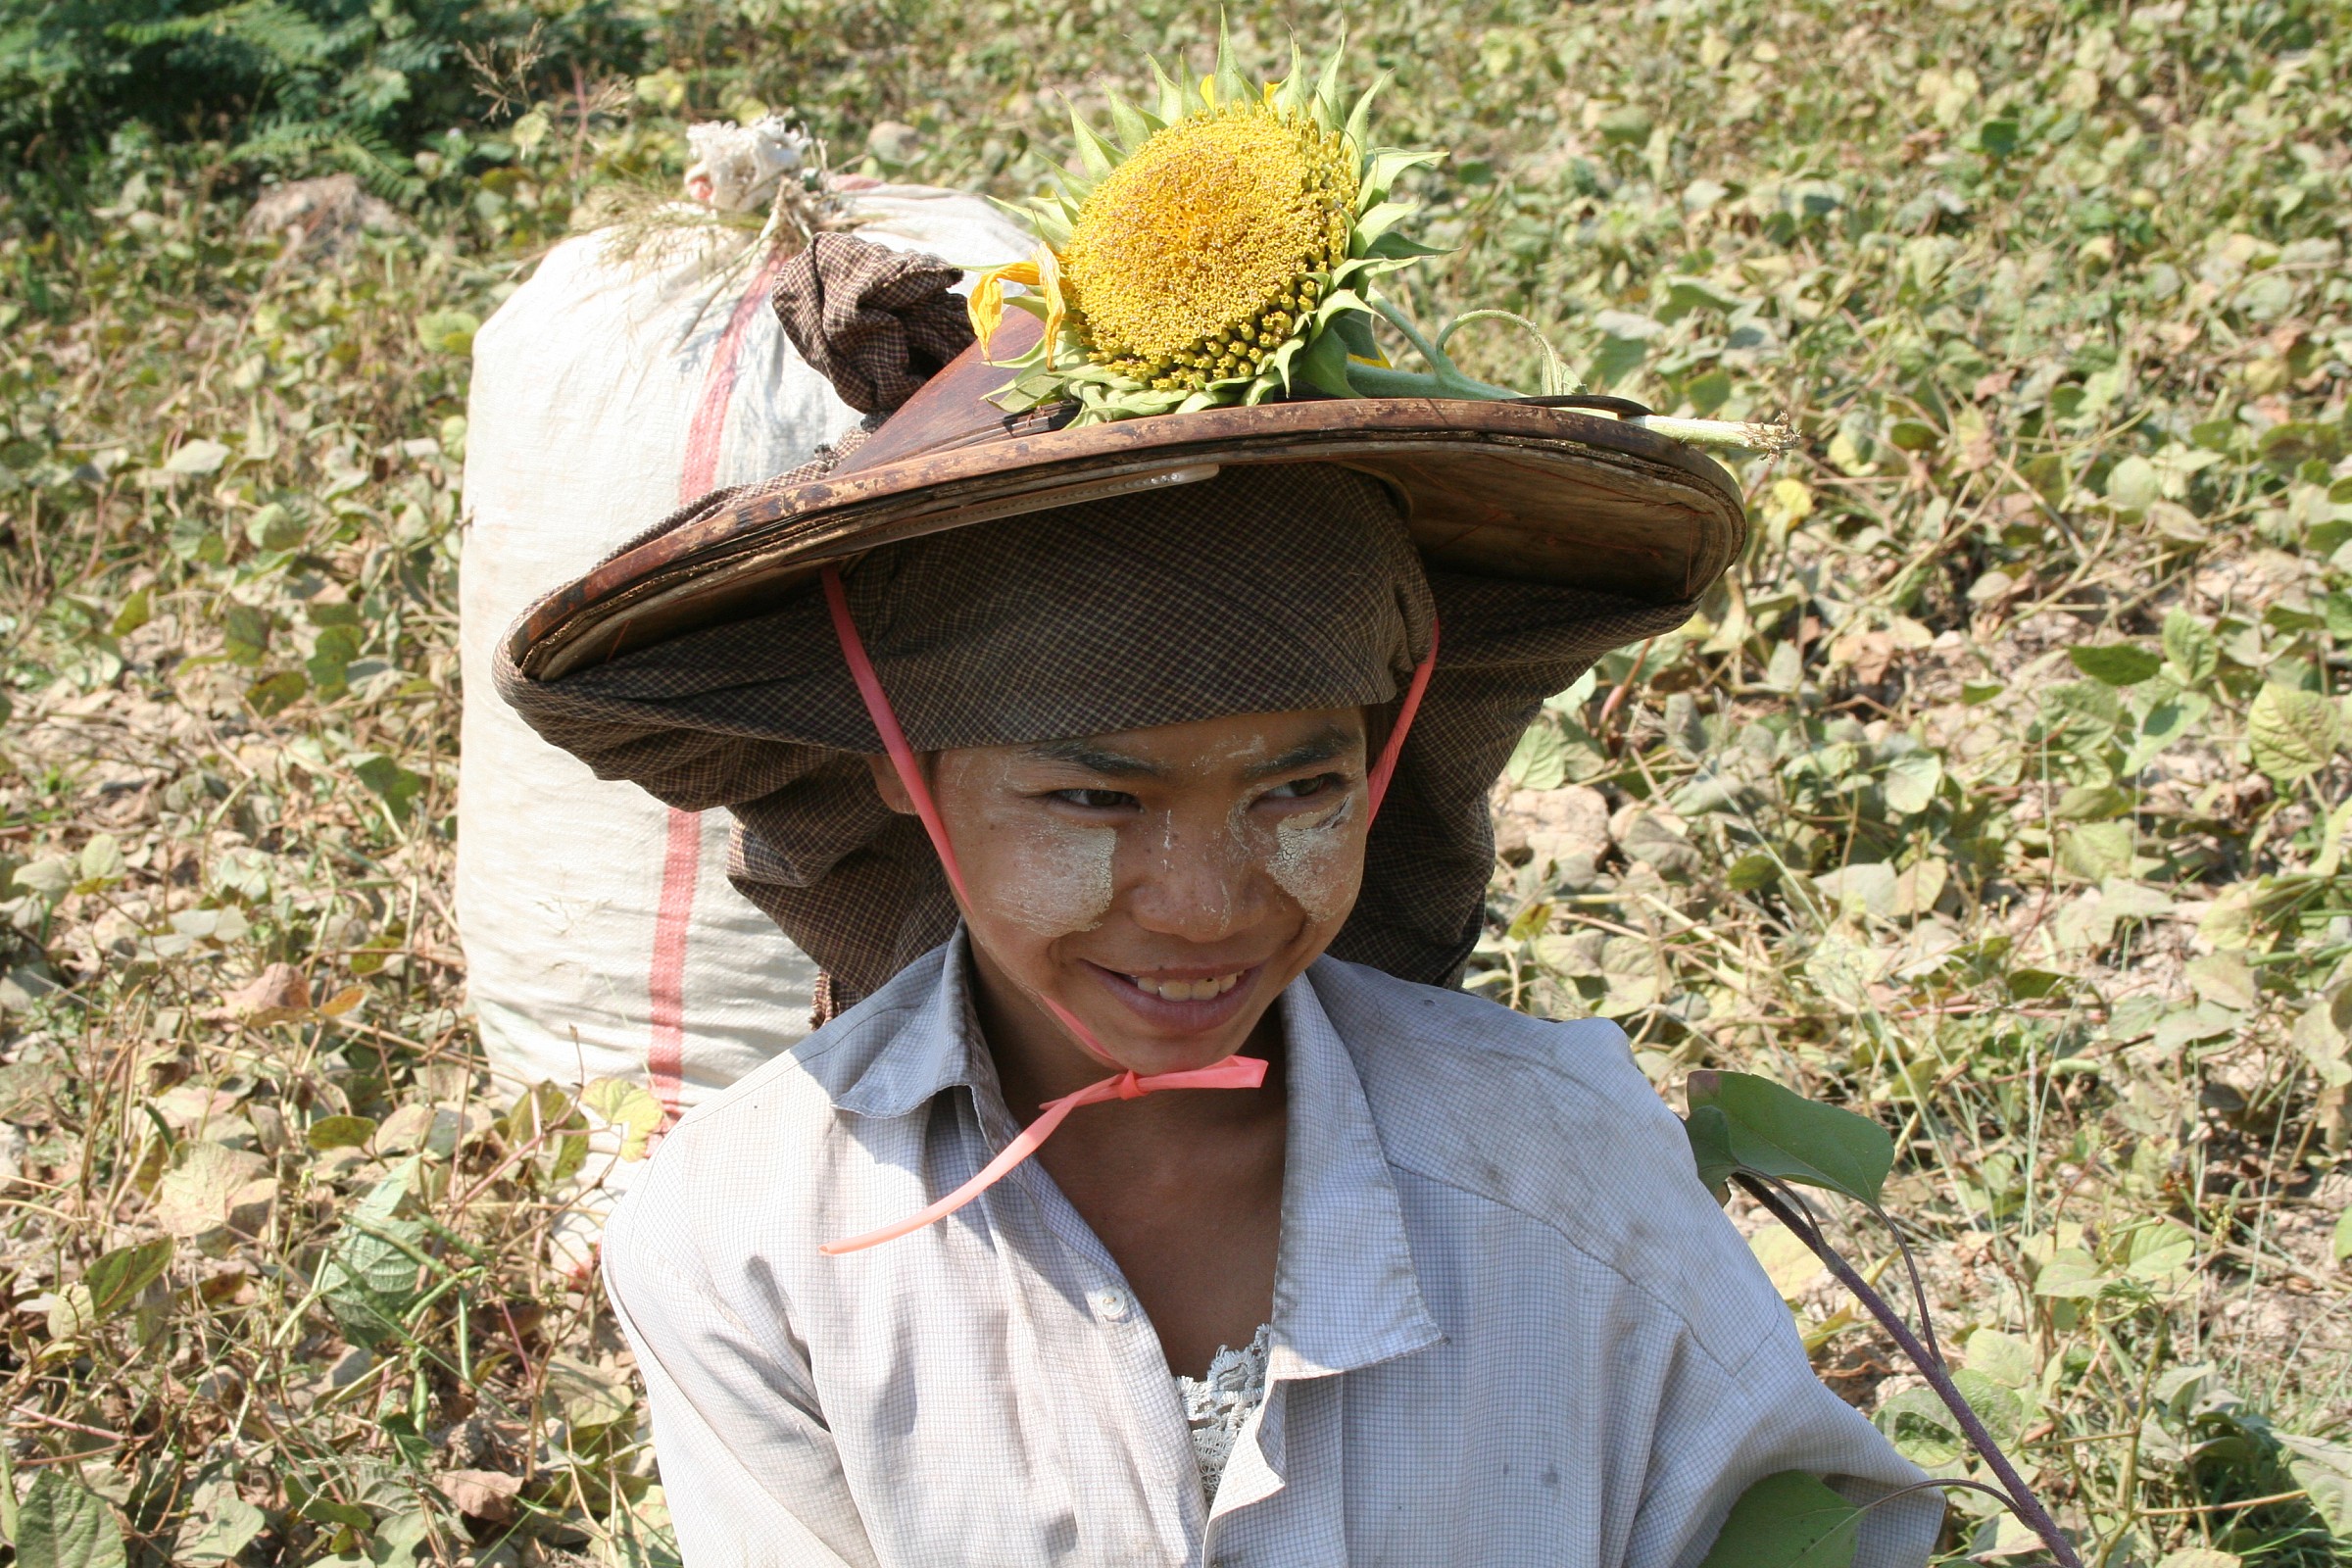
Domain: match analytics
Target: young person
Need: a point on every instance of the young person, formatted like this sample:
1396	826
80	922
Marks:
1157	1200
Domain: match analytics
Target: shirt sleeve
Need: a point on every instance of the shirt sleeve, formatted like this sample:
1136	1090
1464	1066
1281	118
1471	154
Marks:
772	1494
1721	1430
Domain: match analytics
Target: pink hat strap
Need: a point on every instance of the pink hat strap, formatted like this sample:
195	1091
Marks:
1234	1072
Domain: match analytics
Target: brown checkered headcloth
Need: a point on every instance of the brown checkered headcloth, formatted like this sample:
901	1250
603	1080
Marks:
875	323
1260	590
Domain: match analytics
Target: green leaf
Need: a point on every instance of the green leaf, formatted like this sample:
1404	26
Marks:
448	332
340	1132
1232	86
112	1283
136	612
2191	648
62	1524
2324	1470
589	1395
2344	1233
2003	1358
395	784
1772	1131
628	1106
2098	851
1911	782
101	862
245	632
1788	1520
274	694
1710	1133
2159	1252
2116	663
370	1275
1540	761
220	1525
197	457
2132	485
2293	733
2071	1274
1130	124
2165	725
1921	1428
1100	157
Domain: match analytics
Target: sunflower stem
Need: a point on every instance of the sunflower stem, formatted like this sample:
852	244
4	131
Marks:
1747	436
1740	435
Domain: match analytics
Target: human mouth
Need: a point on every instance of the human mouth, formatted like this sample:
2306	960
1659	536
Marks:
1187	1004
1185	990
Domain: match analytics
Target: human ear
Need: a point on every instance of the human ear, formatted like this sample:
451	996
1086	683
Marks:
890	786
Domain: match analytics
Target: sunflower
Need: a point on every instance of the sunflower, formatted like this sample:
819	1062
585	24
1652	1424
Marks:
1223	246
1219	248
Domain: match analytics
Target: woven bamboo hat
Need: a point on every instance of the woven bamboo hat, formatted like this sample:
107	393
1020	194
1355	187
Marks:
1552	490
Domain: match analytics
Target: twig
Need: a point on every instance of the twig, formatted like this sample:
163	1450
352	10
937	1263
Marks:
2222	1507
2021	1499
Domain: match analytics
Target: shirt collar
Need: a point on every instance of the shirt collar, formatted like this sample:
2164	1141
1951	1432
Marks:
895	1052
1346	1292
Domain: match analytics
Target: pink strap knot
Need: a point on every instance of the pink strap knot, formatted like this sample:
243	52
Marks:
1234	1072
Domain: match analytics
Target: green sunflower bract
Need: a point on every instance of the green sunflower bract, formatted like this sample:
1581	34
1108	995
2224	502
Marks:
1219	249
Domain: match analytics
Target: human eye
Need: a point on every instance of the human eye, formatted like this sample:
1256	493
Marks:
1096	799
1307	789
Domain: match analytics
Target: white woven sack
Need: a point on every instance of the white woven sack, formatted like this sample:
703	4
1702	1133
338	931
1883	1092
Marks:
602	937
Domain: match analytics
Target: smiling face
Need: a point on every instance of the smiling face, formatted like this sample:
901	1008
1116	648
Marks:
1162	883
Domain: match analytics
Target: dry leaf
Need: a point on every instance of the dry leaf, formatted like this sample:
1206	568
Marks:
276	995
480	1494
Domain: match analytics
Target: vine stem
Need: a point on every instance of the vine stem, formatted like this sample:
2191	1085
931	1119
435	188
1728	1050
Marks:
2021	1499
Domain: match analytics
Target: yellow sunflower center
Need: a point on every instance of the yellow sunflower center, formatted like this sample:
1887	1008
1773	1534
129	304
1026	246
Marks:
1190	261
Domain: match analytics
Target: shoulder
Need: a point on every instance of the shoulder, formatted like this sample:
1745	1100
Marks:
744	1164
1468	1057
1552	1121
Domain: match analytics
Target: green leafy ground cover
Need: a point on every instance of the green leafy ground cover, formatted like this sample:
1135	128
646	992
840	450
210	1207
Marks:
2002	795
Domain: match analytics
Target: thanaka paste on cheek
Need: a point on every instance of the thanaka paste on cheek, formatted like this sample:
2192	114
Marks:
1060	880
1310	860
1057	881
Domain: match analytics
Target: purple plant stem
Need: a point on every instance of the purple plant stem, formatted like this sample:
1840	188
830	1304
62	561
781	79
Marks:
2020	1497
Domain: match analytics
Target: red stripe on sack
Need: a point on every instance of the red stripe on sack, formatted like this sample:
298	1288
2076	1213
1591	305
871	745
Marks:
665	986
681	860
718	386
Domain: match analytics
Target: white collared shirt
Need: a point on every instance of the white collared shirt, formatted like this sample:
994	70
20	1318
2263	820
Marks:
1510	1327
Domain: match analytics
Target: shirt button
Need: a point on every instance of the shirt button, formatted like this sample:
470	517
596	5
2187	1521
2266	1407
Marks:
1110	1303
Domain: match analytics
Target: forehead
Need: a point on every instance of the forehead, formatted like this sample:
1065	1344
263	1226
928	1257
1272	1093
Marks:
1238	744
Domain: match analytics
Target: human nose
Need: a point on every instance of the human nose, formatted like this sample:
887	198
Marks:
1198	880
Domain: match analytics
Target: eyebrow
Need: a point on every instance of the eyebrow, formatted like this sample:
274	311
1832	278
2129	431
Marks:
1332	741
1096	760
1327	743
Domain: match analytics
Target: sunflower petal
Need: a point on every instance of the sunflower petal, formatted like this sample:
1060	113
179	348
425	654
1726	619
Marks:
986	306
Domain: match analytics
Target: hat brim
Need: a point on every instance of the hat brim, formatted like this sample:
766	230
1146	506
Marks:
1515	490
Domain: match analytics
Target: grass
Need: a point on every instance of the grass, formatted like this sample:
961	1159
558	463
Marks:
2001	793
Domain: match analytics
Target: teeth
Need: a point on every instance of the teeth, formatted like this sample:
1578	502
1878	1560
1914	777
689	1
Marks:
1187	989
